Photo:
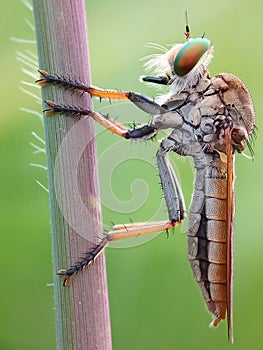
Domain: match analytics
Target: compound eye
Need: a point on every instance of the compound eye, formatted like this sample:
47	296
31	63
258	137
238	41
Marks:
189	55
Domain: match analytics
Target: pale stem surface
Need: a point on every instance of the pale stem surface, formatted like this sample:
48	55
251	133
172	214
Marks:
82	310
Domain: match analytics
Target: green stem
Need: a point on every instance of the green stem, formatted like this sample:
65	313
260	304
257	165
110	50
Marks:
82	310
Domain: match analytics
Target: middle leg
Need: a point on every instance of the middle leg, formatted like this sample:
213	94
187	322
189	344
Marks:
141	132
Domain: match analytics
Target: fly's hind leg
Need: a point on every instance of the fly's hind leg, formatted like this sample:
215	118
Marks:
118	232
176	210
171	188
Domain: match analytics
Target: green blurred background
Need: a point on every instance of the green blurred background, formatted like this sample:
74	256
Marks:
155	303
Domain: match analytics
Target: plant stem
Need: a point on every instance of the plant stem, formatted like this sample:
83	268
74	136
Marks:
82	310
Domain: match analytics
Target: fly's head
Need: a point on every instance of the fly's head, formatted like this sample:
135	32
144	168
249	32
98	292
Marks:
185	63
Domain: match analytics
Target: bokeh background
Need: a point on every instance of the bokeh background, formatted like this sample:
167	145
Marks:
155	303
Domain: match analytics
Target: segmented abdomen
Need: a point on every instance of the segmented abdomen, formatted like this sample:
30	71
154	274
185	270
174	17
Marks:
207	248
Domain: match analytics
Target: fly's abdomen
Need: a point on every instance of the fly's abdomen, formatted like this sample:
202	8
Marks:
207	251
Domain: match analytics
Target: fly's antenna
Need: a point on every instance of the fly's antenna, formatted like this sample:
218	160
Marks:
187	28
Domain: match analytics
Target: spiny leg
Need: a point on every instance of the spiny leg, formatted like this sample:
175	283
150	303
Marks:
119	232
141	101
176	209
171	188
142	132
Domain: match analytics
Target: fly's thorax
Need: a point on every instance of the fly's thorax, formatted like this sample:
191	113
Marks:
170	119
227	98
194	114
188	104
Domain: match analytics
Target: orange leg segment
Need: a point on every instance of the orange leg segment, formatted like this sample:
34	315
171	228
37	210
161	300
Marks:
110	94
71	84
139	229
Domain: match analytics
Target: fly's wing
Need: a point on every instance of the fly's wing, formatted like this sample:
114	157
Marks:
230	230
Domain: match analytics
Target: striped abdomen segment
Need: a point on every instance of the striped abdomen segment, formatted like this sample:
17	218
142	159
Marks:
207	248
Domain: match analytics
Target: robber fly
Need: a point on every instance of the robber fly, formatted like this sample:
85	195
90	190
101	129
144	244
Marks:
210	119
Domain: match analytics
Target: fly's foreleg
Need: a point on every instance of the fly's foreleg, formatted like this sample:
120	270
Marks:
144	103
118	232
